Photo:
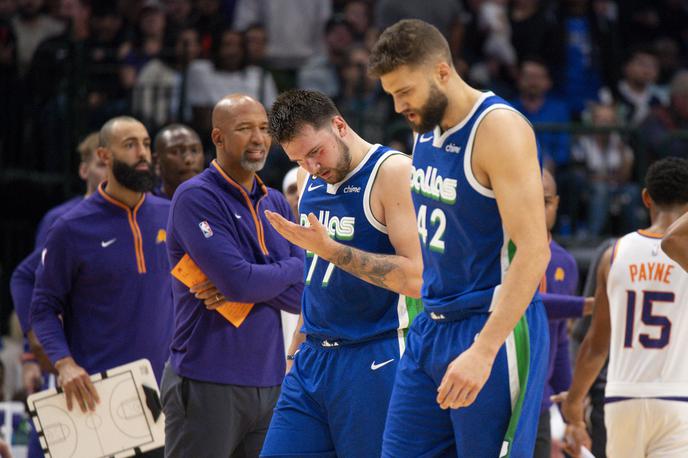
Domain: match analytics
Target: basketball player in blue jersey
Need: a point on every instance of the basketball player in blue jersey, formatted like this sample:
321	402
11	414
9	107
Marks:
471	380
358	228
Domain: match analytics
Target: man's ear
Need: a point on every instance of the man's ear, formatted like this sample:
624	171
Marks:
216	136
105	155
83	170
339	126
647	200
442	72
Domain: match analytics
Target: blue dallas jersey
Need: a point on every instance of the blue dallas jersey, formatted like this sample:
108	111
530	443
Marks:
466	250
337	305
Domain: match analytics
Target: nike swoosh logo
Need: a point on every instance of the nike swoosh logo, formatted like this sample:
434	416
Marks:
108	243
375	367
238	216
311	187
424	139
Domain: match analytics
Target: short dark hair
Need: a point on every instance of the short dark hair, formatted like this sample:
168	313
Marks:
408	42
159	137
667	181
296	108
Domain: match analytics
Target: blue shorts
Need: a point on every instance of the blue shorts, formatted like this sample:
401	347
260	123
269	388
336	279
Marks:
503	420
334	400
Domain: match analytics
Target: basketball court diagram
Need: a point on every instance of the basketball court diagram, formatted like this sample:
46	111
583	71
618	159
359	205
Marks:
127	421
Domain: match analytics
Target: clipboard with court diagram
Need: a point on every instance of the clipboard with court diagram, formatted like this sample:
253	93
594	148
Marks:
127	421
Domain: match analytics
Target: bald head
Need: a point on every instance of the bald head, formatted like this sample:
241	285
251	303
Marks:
227	107
105	136
167	134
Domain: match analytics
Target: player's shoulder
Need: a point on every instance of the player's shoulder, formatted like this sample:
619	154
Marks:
200	186
562	256
393	161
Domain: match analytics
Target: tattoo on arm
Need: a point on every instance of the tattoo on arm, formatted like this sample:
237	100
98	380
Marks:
377	269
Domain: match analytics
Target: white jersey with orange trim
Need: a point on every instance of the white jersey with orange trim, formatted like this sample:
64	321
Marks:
648	305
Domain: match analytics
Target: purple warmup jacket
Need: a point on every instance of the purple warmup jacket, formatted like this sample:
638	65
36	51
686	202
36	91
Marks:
224	230
105	270
24	276
557	292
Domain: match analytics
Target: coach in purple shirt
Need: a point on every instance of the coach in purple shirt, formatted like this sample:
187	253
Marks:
105	272
223	381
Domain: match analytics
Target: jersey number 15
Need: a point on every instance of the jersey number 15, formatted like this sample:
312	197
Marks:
648	318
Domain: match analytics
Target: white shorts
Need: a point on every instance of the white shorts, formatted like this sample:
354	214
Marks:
650	428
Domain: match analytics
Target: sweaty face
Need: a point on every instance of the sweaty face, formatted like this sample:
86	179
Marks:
320	152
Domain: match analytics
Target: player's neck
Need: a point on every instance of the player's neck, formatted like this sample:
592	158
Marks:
358	148
662	219
461	100
125	195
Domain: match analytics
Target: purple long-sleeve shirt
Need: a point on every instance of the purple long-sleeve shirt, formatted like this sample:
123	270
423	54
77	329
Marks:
105	270
224	230
24	275
561	281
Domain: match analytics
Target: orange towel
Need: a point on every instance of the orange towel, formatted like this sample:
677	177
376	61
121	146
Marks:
188	272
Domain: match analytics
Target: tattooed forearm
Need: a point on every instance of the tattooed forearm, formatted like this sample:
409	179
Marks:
379	269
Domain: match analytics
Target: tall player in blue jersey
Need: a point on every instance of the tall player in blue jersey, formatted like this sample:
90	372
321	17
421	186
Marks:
471	380
358	228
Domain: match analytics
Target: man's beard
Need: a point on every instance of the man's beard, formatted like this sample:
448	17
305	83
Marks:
343	166
432	112
132	179
250	165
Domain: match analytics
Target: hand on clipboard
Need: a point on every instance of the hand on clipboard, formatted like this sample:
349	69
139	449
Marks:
188	272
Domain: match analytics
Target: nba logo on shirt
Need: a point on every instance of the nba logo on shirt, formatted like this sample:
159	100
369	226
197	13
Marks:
205	228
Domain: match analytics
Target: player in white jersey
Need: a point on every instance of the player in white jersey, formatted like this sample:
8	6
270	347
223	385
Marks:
641	321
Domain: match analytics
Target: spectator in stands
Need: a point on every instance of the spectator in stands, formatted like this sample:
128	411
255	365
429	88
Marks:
158	96
256	39
608	162
357	15
670	60
538	105
660	133
295	33
31	27
361	101
209	81
209	22
321	71
446	16
7	9
534	31
180	14
590	52
636	91
149	42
